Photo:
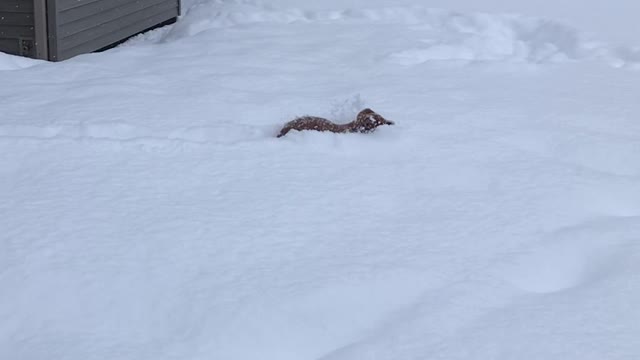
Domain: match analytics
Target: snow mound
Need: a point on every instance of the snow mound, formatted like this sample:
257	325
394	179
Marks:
574	256
11	62
437	34
483	37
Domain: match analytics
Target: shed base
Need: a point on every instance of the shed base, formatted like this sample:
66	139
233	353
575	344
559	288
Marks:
162	24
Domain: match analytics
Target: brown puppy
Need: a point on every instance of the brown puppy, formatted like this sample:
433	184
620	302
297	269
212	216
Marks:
366	121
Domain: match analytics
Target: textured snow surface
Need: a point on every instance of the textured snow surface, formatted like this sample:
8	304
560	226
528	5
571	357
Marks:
148	212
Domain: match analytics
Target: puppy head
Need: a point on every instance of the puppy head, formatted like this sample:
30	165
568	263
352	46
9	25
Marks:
367	120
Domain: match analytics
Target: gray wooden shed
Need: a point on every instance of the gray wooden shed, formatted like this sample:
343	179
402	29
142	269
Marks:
59	29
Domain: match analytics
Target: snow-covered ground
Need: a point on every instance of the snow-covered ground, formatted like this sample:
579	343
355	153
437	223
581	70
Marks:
147	211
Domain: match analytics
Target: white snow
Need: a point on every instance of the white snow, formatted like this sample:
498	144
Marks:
148	212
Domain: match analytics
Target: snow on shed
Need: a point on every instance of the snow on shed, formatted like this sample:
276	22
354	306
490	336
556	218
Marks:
60	29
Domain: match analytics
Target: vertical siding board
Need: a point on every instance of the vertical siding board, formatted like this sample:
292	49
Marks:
52	29
40	27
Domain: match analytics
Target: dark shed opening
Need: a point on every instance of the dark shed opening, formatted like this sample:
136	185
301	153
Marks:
60	29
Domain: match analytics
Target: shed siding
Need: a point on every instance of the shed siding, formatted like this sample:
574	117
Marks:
17	34
60	29
83	26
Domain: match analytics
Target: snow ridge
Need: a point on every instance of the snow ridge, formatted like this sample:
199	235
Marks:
121	132
439	34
